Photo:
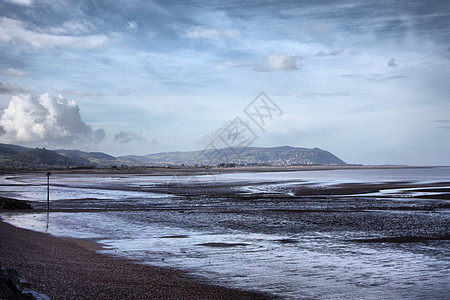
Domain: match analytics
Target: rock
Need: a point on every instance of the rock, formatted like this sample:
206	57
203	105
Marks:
15	287
8	203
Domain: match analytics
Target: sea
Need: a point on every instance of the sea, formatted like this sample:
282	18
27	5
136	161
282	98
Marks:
322	234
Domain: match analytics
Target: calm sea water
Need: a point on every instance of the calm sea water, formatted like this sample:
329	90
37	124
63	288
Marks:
255	231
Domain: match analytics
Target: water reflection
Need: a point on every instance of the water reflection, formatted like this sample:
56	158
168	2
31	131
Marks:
287	245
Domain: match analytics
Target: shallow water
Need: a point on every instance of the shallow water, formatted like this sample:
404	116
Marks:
254	231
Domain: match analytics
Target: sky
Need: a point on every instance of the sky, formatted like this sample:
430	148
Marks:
368	81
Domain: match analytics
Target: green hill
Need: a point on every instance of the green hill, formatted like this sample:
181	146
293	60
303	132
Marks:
7	151
13	156
42	158
245	156
89	158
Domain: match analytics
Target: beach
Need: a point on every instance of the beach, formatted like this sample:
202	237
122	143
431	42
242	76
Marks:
68	269
340	233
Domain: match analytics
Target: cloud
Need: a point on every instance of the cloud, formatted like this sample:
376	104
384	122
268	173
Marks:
11	89
392	63
132	25
73	27
333	53
374	77
236	64
49	119
275	62
15	72
21	2
445	124
323	95
208	33
82	94
129	136
441	121
18	33
380	77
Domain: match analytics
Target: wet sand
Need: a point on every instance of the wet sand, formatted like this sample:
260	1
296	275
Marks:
187	171
64	269
352	217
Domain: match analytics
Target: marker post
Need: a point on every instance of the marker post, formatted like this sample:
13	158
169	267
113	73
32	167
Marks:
48	190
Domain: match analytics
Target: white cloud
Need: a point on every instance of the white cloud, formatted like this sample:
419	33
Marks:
21	2
275	62
73	27
17	32
132	25
208	33
15	72
50	119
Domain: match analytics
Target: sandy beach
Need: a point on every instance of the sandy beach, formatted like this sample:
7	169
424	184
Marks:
65	269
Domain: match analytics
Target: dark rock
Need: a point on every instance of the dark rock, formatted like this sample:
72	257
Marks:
15	287
5	291
8	203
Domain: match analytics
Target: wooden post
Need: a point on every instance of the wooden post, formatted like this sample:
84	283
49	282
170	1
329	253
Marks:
48	190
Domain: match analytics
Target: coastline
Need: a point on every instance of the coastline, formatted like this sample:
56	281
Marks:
180	171
66	269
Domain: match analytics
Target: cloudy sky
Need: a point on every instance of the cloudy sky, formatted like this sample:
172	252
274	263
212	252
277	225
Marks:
366	80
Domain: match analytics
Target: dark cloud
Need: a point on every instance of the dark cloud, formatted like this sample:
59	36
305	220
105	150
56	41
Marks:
392	63
11	89
332	53
444	124
381	77
129	136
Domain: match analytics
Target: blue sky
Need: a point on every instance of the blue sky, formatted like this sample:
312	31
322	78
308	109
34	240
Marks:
366	80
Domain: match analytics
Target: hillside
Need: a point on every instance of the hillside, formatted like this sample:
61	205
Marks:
252	155
37	158
89	158
12	149
13	156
